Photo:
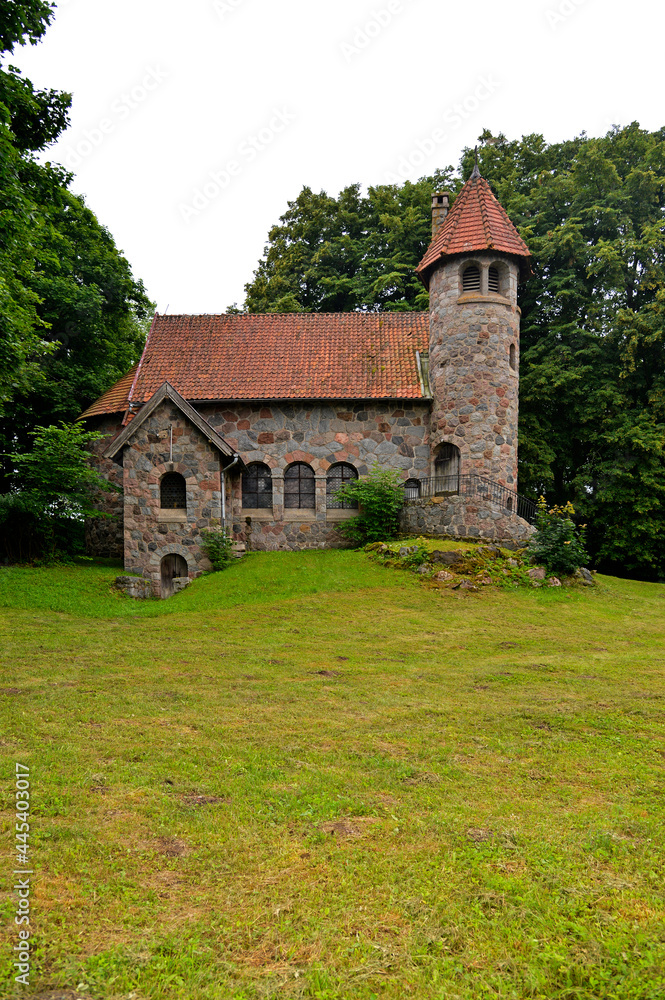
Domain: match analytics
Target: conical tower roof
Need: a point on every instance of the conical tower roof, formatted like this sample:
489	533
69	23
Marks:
476	222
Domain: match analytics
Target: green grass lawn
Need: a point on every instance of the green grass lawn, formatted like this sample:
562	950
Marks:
312	776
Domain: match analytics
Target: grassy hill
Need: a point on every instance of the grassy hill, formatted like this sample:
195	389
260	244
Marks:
310	776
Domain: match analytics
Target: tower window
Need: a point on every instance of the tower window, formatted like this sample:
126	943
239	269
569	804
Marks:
513	357
471	279
173	492
493	279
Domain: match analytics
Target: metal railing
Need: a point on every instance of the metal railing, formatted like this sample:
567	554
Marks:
471	486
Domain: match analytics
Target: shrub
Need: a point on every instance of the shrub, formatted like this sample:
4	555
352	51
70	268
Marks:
53	492
218	546
380	496
558	543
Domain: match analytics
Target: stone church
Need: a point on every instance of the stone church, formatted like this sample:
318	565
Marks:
255	421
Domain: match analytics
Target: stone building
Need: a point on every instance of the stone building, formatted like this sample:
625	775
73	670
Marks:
254	421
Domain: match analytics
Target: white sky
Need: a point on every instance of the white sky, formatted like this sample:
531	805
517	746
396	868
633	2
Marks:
170	92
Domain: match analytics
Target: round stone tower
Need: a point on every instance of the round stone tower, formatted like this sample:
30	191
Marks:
472	269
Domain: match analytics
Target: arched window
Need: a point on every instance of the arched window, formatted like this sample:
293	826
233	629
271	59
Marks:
471	279
513	357
493	282
339	475
446	468
412	489
257	487
173	492
299	487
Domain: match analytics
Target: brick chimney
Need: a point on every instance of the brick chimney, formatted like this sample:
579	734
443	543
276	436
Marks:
440	206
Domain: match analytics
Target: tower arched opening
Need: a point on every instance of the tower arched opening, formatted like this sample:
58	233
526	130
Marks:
471	278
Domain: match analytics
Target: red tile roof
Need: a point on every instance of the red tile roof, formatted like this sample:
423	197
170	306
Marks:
476	222
278	356
115	399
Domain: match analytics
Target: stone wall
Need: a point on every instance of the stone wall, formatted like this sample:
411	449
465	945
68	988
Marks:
475	385
152	533
396	435
463	517
105	536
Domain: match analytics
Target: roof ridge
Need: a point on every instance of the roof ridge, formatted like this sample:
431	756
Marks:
287	356
483	210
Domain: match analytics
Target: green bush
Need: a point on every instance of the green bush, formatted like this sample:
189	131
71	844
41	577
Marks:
53	490
218	546
558	544
380	496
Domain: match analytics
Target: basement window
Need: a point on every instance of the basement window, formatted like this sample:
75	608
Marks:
412	489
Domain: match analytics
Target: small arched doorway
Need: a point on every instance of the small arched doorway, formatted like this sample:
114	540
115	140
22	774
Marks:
171	567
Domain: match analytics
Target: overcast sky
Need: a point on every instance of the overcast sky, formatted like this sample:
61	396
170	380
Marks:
193	123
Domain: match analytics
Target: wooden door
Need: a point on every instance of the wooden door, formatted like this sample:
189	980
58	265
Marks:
172	566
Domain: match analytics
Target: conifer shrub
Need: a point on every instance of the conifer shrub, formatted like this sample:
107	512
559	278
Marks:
558	544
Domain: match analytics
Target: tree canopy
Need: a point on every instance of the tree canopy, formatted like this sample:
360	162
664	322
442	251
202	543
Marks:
592	397
72	317
350	252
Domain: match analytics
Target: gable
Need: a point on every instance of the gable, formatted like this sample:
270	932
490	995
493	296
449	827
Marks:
166	393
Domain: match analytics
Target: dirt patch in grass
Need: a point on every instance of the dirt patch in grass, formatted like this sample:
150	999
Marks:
350	826
171	847
193	799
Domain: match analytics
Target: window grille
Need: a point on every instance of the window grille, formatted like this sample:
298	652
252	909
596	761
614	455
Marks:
173	492
299	487
471	279
257	487
493	279
339	475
